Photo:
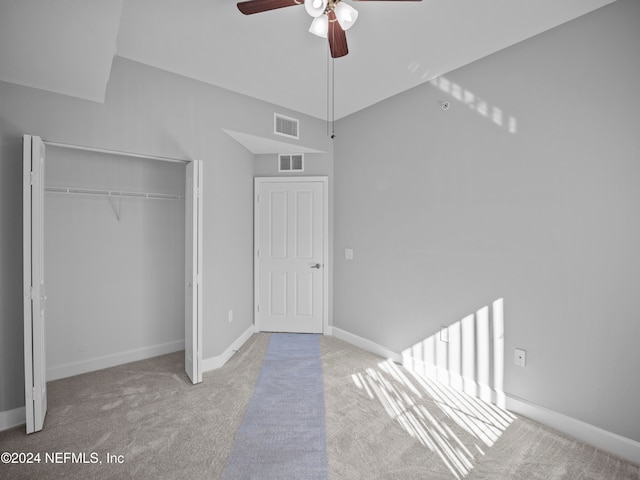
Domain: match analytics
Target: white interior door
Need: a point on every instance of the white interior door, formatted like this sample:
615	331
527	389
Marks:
193	272
290	255
34	285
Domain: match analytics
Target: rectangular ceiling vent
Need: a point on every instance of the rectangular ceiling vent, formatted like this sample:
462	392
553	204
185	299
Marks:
286	126
291	163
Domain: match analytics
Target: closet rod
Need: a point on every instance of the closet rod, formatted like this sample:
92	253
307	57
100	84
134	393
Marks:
113	193
113	152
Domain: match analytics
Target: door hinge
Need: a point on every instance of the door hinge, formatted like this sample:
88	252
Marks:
28	178
258	308
32	395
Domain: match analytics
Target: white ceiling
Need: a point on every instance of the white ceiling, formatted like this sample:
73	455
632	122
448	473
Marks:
67	46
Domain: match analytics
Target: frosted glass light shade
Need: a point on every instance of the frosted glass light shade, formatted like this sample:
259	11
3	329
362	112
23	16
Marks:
315	8
320	26
346	15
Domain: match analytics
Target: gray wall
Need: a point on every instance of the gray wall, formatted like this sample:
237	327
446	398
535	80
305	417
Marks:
526	189
153	112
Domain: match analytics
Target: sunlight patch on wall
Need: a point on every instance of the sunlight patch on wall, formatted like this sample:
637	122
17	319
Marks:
470	358
491	112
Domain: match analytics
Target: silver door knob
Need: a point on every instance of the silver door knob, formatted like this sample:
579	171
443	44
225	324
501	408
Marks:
317	265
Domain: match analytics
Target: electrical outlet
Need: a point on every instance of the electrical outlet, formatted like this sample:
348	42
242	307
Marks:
348	253
520	357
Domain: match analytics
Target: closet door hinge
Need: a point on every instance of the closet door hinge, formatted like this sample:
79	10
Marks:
32	394
28	178
29	294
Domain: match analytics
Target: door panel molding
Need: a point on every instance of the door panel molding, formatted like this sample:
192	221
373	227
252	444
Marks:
323	181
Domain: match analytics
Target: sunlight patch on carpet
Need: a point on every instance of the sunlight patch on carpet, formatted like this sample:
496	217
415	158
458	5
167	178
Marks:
402	393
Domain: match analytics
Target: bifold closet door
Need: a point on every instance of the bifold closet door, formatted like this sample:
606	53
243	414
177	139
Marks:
34	286
193	272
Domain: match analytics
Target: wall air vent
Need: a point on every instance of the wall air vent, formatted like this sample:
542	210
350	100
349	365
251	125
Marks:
286	126
291	163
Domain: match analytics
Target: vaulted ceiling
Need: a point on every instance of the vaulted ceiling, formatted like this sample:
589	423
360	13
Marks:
67	46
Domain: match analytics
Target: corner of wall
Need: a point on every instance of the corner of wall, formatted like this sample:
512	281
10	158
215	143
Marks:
12	418
366	344
218	361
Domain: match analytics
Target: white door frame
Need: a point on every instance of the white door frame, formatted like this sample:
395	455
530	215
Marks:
325	253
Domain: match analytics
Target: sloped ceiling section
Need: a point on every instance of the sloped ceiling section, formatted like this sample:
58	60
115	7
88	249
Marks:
63	46
393	46
260	145
67	46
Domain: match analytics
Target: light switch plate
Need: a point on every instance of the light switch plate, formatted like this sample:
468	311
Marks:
520	357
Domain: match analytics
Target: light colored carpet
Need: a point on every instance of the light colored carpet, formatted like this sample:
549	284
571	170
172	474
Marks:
381	423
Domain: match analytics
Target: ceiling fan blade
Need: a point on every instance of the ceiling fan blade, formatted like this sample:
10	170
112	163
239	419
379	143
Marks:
256	6
337	37
386	0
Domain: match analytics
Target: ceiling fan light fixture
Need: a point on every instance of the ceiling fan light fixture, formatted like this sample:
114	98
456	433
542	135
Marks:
315	8
346	15
320	26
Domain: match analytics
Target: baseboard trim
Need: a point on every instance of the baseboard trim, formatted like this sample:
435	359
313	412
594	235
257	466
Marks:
618	445
613	443
213	363
107	361
365	344
12	418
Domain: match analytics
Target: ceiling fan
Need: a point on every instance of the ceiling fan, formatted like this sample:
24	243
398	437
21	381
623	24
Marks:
330	18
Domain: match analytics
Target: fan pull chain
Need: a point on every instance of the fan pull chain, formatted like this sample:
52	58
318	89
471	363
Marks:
327	91
331	96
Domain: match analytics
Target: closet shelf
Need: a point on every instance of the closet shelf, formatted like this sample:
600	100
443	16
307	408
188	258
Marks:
113	193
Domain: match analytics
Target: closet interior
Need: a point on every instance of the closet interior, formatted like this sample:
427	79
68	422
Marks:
114	259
